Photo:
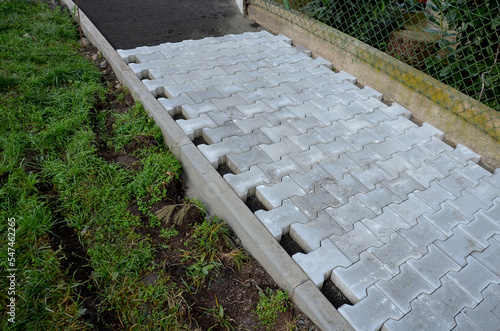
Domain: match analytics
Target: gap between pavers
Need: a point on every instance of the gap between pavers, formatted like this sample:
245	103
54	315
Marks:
220	198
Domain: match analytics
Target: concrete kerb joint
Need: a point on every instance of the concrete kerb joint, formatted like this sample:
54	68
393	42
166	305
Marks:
212	187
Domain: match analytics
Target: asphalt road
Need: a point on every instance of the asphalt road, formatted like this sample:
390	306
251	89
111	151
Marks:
131	23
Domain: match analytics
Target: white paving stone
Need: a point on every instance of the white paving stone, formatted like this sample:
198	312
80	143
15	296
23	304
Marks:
371	312
319	264
454	297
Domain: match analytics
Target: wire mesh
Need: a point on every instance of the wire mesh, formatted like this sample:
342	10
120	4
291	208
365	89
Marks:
454	41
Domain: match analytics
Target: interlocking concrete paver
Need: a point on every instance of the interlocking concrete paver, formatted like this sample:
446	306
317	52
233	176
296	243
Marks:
493	212
435	146
330	116
201	96
356	241
319	264
473	172
173	105
283	147
408	138
481	228
366	156
346	187
455	299
401	123
193	127
171	91
445	164
428	132
277	132
278	220
253	109
303	125
371	312
465	324
254	96
402	185
309	235
244	184
378	198
313	203
311	179
404	287
417	155
304	109
486	316
307	140
203	84
240	162
352	110
250	124
422	234
446	219
351	212
396	110
341	166
357	278
272	196
459	246
310	157
332	133
455	183
388	147
419	318
277	169
372	104
215	135
226	117
434	265
246	142
328	102
474	278
382	204
375	117
463	154
484	191
216	153
467	204
394	253
411	208
385	224
355	124
490	257
302	97
435	195
371	176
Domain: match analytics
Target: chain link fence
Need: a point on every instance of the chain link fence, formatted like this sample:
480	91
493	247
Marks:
454	41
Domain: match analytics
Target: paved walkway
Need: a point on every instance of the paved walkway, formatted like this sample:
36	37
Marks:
405	225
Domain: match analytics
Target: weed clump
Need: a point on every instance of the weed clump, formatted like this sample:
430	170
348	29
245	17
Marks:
271	303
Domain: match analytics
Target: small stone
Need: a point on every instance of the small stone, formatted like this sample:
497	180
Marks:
84	42
104	64
94	57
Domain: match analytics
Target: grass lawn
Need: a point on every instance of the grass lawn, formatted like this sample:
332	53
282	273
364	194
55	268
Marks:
104	236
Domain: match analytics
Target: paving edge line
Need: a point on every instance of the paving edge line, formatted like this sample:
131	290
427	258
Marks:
220	198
